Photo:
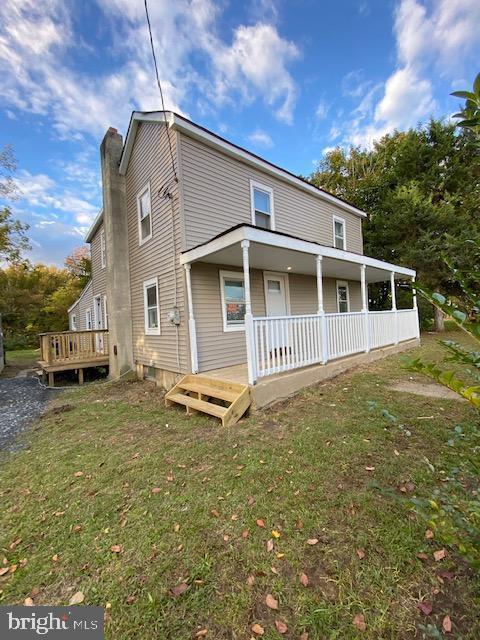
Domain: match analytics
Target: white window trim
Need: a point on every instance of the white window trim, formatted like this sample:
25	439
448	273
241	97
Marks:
344	225
96	317
145	189
342	283
103	249
272	275
88	312
105	314
225	275
149	331
269	190
74	321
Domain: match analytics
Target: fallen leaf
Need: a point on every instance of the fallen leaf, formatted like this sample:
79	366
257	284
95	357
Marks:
235	517
444	574
304	579
359	622
260	523
270	545
77	598
299	525
447	624
312	541
176	528
276	534
28	602
250	580
179	589
156	490
369	468
304	636
130	599
245	533
425	607
15	544
281	626
273	570
55	557
214	513
226	538
422	556
280	555
251	501
170	477
202	633
13	568
116	548
4	570
360	553
440	554
271	602
78	474
257	629
429	534
77	528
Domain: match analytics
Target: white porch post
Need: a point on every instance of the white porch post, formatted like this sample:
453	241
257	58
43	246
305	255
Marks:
192	331
394	303
363	284
415	306
321	311
249	330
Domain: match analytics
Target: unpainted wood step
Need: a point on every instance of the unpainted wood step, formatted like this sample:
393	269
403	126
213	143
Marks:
210	391
199	405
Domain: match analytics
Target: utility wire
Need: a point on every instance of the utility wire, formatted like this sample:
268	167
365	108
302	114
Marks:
160	89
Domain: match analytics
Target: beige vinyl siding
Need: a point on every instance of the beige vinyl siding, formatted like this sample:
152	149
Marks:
150	162
83	303
218	348
99	275
216	192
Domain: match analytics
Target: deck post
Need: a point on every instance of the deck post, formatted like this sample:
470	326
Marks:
394	304
415	307
192	330
249	334
321	310
363	283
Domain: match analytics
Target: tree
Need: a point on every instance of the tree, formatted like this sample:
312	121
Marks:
470	114
13	239
79	264
421	190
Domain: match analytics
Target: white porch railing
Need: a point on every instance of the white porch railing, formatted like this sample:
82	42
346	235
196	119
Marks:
284	343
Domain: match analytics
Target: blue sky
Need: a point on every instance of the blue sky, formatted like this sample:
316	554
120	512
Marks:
288	80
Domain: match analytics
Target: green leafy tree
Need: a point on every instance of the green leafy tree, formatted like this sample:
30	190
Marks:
470	114
421	190
13	239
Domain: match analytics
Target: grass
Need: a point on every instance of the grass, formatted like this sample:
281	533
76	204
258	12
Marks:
18	360
301	467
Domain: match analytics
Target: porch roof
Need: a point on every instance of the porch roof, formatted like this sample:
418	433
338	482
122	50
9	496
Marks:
289	254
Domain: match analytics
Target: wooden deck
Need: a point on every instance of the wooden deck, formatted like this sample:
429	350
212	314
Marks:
72	350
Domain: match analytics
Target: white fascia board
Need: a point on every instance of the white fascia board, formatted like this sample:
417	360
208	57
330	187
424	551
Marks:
140	116
94	227
85	289
262	236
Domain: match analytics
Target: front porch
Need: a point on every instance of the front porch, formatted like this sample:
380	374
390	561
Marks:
324	314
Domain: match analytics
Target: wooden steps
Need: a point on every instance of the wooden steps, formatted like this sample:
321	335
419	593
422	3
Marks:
220	398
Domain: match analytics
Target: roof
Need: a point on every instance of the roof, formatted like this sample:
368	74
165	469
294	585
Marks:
84	291
95	226
186	126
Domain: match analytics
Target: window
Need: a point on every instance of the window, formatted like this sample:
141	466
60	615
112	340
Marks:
88	319
105	312
262	206
232	292
74	322
339	235
144	215
103	249
148	372
152	312
343	297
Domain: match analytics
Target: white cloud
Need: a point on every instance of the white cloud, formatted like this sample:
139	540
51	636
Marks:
321	110
431	40
37	39
260	139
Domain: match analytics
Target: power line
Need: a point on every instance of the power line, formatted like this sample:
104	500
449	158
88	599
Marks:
160	89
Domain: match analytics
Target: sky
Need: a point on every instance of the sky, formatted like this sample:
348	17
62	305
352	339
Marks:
288	80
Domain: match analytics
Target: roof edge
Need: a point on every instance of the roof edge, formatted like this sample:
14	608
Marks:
89	283
94	227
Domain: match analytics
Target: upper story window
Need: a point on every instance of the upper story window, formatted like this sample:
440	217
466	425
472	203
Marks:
262	206
144	209
232	290
339	233
74	322
103	249
151	307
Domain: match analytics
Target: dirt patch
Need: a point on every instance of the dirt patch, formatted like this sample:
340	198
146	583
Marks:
427	390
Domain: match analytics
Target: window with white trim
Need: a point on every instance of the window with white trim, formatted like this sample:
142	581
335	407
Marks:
343	297
103	249
339	234
88	319
74	322
262	206
232	291
151	307
105	312
144	209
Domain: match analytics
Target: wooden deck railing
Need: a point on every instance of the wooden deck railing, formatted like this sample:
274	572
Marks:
73	346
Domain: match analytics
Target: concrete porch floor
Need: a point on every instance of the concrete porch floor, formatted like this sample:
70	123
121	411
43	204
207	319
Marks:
278	387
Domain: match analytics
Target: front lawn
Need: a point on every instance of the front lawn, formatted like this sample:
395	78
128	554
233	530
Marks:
181	529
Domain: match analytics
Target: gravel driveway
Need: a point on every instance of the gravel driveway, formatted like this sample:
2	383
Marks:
21	400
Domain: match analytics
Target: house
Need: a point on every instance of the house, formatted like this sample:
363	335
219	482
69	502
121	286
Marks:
216	263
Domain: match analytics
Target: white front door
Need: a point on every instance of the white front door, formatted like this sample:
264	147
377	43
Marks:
276	287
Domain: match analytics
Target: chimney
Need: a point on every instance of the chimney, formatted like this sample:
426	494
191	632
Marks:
118	267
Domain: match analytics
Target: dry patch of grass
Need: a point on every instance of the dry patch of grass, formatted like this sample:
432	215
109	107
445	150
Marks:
158	517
